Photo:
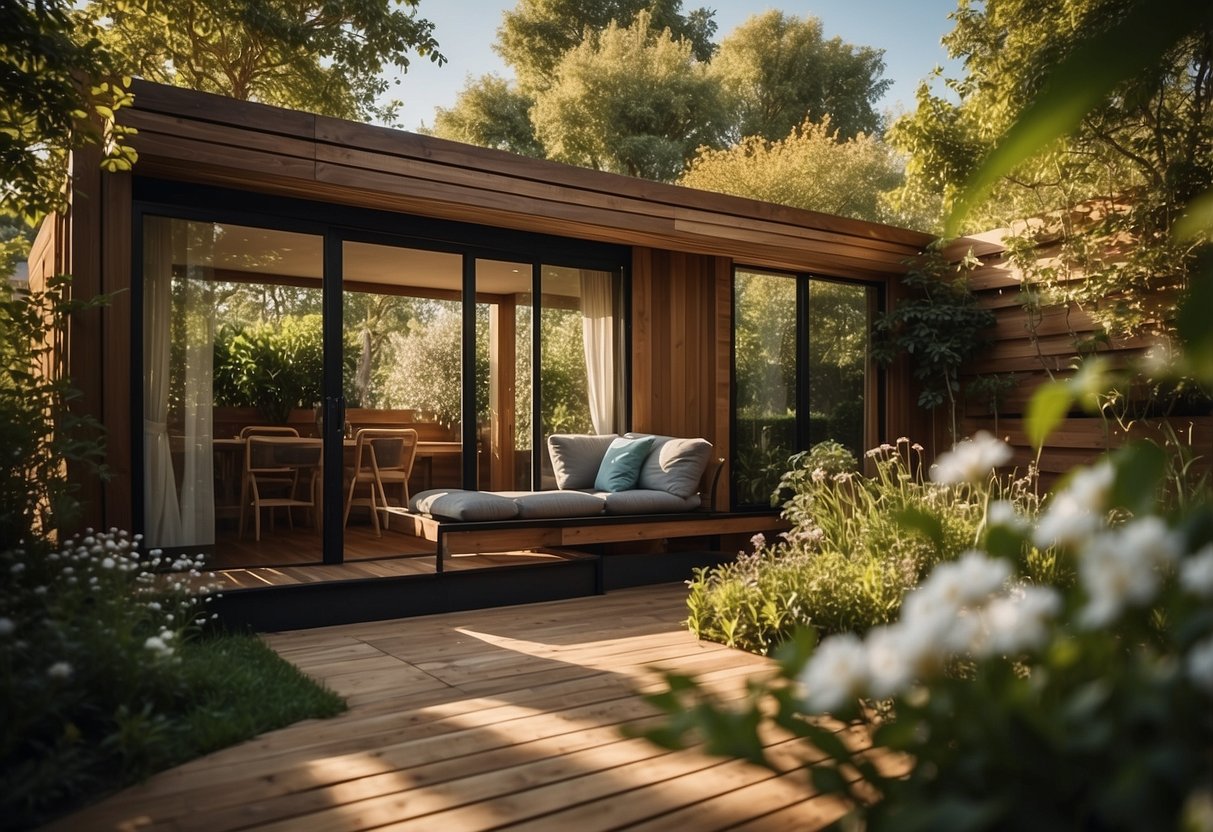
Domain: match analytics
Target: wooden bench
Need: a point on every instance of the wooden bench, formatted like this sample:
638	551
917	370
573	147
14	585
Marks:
455	537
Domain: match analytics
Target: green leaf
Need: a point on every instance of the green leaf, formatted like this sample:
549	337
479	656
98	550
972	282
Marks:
1139	470
926	524
1197	220
1046	410
1076	86
1192	322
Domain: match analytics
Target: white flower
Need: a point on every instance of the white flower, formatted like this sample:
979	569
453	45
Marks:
1200	664
970	578
156	645
1066	523
1018	621
971	460
1115	575
1196	573
1090	487
818	475
17	568
837	673
60	670
1003	513
7	626
891	661
758	541
108	563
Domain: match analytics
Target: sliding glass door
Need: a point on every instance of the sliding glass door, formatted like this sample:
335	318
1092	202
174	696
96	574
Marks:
802	374
232	360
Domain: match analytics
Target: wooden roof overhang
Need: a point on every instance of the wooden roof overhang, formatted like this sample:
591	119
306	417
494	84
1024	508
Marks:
184	135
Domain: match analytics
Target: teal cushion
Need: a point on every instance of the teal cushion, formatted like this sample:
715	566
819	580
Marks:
620	466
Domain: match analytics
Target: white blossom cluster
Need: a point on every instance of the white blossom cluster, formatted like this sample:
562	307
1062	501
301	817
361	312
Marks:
964	608
968	608
971	460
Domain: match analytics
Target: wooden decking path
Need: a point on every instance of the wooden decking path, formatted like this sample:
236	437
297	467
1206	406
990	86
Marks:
500	718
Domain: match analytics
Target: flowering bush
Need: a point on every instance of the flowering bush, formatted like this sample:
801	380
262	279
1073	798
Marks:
89	668
1007	703
847	561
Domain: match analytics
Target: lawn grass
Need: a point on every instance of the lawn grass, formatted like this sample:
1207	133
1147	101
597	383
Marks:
228	688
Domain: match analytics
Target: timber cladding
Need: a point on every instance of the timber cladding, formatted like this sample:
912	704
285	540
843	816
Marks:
1028	349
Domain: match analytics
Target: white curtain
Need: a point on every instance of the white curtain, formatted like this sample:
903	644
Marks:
178	512
598	335
161	511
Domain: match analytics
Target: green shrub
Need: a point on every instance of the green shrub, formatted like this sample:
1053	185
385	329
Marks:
847	561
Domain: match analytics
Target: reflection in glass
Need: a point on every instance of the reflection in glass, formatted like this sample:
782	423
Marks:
231	339
765	378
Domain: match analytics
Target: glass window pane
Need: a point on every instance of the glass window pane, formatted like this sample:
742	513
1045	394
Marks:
232	343
403	325
581	359
765	376
838	363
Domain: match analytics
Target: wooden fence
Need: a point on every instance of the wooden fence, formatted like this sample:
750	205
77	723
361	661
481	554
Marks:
1028	350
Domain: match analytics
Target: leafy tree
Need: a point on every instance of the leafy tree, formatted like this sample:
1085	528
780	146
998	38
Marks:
535	36
324	56
58	90
1146	141
812	168
631	102
490	112
779	71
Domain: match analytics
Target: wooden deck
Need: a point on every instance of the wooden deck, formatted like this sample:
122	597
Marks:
501	718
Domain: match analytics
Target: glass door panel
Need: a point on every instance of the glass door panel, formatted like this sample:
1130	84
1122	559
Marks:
838	328
504	312
765	374
232	359
581	355
402	314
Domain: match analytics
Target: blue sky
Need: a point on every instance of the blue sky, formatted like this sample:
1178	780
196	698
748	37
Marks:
908	31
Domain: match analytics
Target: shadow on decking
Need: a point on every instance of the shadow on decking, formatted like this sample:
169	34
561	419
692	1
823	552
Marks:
484	720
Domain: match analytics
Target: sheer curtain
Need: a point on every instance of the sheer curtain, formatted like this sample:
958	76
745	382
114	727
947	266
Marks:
598	335
161	510
179	505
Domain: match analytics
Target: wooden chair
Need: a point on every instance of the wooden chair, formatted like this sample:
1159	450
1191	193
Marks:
272	470
382	457
269	478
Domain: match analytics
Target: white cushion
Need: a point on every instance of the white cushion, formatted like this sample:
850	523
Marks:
457	504
576	457
674	465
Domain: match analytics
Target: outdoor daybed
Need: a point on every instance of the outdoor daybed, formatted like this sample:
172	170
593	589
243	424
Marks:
609	489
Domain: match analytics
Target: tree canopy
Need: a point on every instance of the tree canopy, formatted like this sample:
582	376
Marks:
324	56
535	36
779	70
809	169
46	104
630	101
490	112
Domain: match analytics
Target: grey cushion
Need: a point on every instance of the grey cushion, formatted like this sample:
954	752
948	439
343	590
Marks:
674	465
576	457
643	501
456	504
541	504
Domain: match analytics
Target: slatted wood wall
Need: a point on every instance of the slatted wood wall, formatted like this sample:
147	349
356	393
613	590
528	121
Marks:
1037	349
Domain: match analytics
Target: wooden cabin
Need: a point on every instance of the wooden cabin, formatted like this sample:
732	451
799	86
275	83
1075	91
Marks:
274	268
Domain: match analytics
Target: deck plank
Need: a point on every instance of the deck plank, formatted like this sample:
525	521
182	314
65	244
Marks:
477	720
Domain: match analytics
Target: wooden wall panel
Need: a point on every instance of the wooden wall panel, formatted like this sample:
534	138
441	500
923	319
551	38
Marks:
117	326
677	345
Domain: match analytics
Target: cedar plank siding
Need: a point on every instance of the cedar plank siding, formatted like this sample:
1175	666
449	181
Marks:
1080	440
684	245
